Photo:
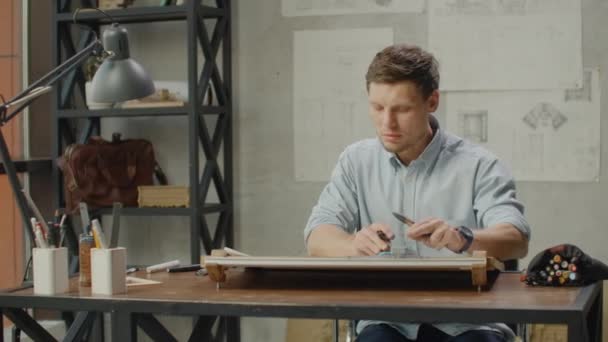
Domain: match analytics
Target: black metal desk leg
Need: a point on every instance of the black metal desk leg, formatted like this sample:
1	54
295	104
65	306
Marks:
80	325
577	329
599	319
202	329
153	328
16	334
123	326
95	333
233	329
594	319
29	326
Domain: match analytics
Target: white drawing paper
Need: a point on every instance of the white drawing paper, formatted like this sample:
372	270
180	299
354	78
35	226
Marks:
295	8
542	135
330	108
507	44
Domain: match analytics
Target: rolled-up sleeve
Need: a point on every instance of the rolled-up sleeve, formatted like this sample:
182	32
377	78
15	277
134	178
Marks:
337	204
495	200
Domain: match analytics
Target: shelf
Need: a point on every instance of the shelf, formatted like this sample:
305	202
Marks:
122	112
29	165
138	15
135	112
207	208
146	211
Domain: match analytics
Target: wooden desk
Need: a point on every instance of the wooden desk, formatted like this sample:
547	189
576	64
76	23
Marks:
298	295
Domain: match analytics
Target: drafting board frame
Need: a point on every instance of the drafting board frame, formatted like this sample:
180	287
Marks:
478	264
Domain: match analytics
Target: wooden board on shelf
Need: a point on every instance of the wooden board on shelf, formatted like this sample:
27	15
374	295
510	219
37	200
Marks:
152	104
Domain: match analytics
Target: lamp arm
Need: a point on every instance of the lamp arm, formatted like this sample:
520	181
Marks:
38	87
23	100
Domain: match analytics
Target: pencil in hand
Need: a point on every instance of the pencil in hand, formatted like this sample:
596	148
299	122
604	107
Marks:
404	219
384	238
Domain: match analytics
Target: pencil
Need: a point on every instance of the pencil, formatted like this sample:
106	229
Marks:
404	219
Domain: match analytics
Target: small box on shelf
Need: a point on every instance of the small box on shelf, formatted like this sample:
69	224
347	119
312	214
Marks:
163	196
110	4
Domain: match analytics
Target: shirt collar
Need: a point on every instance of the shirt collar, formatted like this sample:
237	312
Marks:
429	154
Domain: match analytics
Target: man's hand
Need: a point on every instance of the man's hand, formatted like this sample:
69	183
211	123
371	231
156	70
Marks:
368	242
437	234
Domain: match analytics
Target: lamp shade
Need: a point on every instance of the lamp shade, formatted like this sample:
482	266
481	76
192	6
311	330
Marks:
119	78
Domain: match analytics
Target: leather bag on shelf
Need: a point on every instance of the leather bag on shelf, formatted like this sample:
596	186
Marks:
103	172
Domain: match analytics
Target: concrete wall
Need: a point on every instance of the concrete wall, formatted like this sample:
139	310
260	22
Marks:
271	208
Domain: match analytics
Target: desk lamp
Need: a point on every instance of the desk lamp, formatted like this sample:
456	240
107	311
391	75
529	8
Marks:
119	78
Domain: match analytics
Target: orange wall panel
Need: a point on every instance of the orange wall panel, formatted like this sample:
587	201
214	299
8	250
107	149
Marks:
16	29
11	232
7	15
10	242
7	84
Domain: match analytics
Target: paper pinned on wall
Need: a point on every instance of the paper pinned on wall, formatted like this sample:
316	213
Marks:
507	44
542	135
330	109
295	8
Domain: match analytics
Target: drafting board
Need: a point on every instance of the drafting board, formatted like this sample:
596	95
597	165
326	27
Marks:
476	264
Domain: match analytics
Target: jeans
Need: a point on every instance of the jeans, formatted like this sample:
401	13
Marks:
426	333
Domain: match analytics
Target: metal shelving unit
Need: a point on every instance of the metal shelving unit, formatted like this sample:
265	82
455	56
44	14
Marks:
209	77
32	165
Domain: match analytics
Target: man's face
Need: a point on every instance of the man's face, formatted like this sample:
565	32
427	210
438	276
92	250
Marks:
400	114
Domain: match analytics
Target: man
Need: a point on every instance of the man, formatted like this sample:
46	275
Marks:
461	197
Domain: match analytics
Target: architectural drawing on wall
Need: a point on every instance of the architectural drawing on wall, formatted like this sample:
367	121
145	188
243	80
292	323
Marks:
459	7
530	150
539	134
502	36
544	115
474	125
581	94
330	109
512	7
384	3
295	8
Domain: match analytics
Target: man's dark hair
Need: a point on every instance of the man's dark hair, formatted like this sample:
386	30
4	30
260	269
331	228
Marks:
402	62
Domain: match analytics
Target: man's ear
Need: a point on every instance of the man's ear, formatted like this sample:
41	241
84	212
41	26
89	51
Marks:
433	101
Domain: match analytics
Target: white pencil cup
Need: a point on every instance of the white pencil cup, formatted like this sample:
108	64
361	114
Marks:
50	270
108	270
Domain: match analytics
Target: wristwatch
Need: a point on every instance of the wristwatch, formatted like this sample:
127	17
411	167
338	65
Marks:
467	234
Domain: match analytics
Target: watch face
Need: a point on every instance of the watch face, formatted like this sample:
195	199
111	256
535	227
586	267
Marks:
467	234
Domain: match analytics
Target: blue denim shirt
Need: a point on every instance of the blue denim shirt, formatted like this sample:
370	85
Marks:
452	179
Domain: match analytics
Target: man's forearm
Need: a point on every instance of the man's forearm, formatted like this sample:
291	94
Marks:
502	241
328	240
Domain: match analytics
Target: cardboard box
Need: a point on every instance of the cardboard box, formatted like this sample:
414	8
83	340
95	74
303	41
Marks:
110	4
163	196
